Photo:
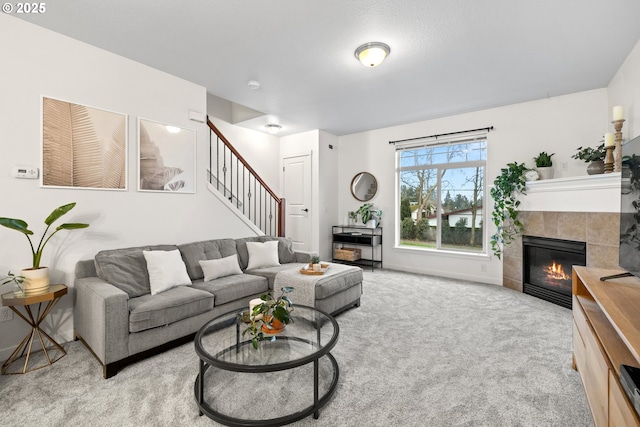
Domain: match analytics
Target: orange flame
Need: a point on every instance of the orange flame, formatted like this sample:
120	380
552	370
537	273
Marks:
555	271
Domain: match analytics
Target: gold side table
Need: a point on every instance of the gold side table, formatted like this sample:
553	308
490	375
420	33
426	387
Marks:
24	349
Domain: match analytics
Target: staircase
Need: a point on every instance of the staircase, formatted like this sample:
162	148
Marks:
247	194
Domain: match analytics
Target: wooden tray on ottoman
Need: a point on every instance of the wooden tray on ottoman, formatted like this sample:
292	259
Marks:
311	272
347	254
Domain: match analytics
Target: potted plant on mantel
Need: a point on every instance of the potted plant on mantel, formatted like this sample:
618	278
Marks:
270	316
544	165
593	156
36	278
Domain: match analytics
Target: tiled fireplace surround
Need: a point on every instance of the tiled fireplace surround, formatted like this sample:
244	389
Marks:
583	209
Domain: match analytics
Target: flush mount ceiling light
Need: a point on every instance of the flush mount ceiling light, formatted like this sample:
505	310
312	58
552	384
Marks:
273	128
172	129
372	54
253	84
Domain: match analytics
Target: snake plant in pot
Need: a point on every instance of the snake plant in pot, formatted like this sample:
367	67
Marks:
36	278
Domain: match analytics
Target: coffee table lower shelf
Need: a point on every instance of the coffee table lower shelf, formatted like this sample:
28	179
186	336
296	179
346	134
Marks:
319	401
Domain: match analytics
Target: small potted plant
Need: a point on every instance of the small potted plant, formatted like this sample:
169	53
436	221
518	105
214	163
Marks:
269	317
593	156
370	215
353	217
314	263
544	165
36	278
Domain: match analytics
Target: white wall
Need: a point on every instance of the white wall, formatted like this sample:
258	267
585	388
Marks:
624	89
557	125
39	62
328	190
261	150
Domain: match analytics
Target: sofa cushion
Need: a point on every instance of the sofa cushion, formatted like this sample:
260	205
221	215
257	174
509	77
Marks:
286	253
150	311
330	285
232	288
215	268
166	270
126	268
194	252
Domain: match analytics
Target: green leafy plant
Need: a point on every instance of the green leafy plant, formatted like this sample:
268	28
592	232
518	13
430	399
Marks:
314	260
589	154
505	191
353	215
23	227
10	277
264	315
543	160
367	211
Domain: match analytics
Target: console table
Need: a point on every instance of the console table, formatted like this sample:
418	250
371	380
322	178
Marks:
24	349
359	236
606	334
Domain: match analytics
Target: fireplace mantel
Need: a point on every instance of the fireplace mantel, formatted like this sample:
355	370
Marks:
585	193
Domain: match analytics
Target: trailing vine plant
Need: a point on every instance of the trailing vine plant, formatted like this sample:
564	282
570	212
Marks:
507	186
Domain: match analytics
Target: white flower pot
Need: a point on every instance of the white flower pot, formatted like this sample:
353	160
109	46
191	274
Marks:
371	223
36	281
546	172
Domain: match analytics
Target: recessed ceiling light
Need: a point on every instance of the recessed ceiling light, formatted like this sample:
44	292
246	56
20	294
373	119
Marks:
254	84
372	54
273	128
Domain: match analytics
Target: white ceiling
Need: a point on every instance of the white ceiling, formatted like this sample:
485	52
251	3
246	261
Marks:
447	56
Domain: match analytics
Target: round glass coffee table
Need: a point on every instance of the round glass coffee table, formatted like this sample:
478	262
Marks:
239	385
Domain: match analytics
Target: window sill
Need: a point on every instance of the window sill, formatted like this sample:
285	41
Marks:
443	253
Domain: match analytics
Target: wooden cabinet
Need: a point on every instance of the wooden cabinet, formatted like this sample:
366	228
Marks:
606	334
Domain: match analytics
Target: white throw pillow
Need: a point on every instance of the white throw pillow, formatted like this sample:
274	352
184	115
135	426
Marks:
222	267
166	270
262	254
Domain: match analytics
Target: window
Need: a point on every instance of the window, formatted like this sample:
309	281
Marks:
441	195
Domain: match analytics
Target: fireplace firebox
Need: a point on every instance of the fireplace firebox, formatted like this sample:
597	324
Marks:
547	267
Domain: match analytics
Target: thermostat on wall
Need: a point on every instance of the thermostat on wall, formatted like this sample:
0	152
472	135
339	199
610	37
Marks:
27	172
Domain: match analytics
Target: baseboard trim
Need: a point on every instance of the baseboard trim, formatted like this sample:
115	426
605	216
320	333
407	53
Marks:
447	274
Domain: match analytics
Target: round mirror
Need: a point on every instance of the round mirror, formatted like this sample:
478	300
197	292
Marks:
364	186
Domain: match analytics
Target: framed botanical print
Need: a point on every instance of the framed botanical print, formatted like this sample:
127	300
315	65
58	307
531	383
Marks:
83	147
166	157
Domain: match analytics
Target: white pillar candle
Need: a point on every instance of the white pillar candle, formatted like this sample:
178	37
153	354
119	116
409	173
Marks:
608	139
253	303
618	112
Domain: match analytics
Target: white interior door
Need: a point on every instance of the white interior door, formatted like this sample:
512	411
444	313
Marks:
297	194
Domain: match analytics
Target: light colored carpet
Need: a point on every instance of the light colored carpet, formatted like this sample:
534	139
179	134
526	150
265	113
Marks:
420	351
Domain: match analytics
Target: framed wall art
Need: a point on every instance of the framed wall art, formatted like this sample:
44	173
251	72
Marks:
166	157
83	147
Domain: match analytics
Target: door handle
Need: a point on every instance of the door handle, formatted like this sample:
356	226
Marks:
305	210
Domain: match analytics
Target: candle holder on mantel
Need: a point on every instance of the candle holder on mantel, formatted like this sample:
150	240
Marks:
608	159
617	125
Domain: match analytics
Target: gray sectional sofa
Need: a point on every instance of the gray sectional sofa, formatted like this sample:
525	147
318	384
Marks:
120	321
